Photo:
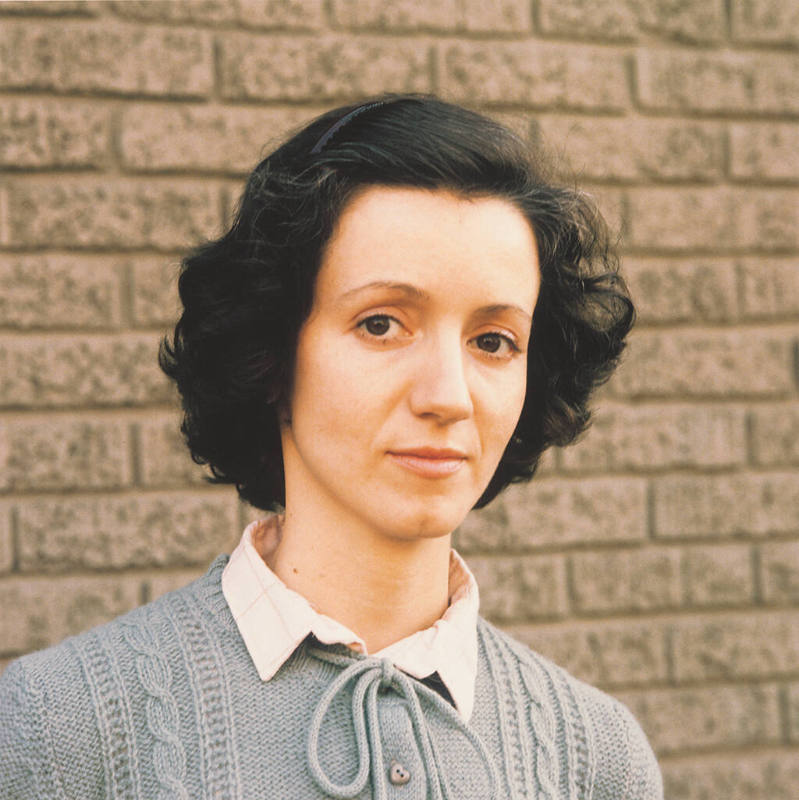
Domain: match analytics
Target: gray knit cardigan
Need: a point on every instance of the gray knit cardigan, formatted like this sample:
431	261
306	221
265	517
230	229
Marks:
165	702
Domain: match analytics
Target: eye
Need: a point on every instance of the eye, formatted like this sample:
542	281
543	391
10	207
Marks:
496	344
377	325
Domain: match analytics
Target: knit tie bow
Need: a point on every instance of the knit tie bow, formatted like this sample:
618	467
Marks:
370	674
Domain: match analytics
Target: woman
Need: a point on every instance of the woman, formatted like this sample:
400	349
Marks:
404	315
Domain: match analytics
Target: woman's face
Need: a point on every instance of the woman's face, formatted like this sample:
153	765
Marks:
411	368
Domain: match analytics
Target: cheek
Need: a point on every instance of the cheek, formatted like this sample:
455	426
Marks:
505	405
330	393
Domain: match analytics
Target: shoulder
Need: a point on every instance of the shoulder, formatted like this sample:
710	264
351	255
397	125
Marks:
605	741
80	701
153	621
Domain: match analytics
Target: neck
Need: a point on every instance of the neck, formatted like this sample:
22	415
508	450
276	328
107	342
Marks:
381	588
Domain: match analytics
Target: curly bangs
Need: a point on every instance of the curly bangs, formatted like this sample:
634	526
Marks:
246	295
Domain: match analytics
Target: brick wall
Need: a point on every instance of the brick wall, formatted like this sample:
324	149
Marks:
659	558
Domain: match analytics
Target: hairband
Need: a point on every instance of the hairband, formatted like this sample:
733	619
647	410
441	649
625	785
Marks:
336	127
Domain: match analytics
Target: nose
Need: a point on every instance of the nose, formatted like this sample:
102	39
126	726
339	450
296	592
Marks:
440	387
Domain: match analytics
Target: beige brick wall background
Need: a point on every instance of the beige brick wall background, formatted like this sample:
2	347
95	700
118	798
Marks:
659	558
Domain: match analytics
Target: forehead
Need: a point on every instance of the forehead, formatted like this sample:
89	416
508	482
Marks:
435	239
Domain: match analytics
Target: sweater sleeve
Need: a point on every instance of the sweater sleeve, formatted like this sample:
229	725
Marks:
26	772
644	780
624	766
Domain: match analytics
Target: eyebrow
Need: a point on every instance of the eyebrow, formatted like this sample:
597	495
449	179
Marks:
419	294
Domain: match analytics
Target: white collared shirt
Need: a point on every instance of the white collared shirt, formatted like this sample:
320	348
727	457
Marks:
273	620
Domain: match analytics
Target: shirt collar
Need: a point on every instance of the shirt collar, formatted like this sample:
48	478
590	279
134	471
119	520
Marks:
273	620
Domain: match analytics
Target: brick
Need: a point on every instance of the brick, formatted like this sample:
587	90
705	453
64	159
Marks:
508	16
517	588
775	434
560	512
120	214
602	149
684	290
231	198
661	436
6	541
710	219
688	22
98	370
764	151
793	712
53	133
159	583
626	581
151	529
547	464
726	647
769	288
520	122
297	14
747	776
202	139
106	57
723	364
603	653
165	458
196	11
690	720
537	75
296	68
577	18
610	19
767	21
779	570
67	453
611	205
48	610
726	505
718	576
59	291
49	7
4	448
736	82
4	232
154	291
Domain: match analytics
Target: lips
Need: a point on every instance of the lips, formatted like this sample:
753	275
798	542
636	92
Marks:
430	462
431	452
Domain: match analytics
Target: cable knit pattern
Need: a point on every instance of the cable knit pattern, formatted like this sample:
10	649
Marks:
542	719
169	758
113	714
213	704
577	732
543	761
563	719
165	702
516	765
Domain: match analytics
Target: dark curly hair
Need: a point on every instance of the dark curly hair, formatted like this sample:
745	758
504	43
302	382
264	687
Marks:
246	295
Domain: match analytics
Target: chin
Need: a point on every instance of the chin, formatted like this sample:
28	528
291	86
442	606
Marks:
427	520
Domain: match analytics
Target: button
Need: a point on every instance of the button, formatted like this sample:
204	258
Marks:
397	774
